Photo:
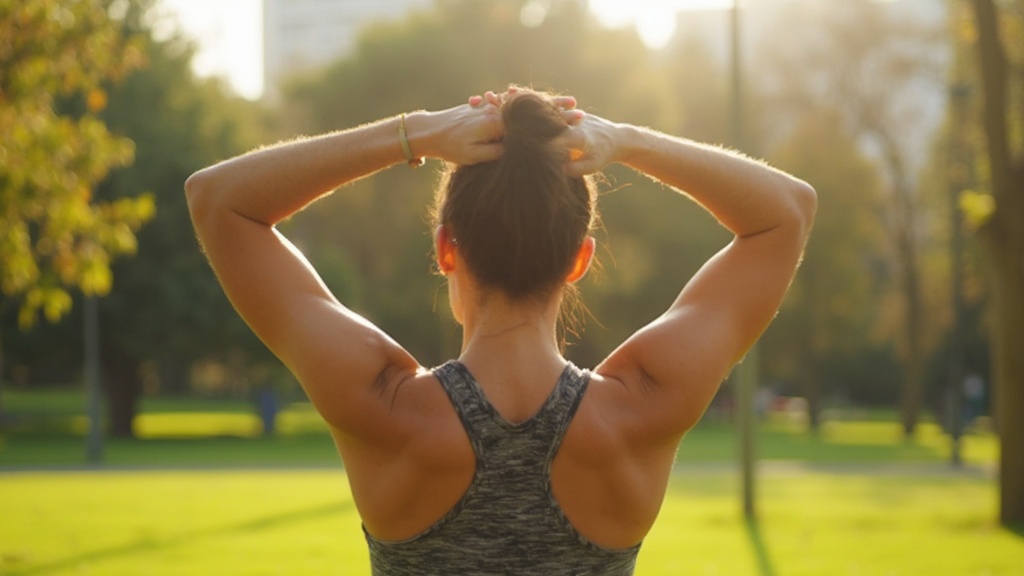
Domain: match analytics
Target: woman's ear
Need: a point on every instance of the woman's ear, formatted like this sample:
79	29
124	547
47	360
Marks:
583	258
444	249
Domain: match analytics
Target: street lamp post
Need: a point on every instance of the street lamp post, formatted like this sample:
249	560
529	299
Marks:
746	375
94	393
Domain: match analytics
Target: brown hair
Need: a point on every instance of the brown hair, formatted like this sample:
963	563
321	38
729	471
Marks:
519	221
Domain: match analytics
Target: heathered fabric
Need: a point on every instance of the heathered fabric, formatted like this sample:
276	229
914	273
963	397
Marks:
508	522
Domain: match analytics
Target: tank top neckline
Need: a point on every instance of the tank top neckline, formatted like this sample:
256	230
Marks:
496	416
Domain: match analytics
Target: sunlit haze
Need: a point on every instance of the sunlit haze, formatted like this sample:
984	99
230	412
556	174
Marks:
655	20
229	32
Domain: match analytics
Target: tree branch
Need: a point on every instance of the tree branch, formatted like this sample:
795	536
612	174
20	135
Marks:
994	68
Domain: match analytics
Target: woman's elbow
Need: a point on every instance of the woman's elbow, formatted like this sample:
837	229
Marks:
194	186
805	204
199	195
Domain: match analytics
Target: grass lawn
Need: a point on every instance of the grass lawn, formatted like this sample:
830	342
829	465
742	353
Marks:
297	522
48	430
201	493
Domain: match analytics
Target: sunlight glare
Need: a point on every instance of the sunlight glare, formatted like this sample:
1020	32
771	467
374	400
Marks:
229	36
654	20
533	13
656	26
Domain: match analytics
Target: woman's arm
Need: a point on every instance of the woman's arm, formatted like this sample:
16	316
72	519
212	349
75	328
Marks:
680	359
270	184
746	196
339	357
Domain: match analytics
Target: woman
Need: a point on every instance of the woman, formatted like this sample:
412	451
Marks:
509	460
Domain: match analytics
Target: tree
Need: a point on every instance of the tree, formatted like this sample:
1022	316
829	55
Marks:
1000	51
55	58
828	313
876	65
167	312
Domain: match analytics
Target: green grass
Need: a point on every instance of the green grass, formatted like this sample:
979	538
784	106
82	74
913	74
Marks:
838	441
173	433
299	522
834	524
203	493
48	430
185	438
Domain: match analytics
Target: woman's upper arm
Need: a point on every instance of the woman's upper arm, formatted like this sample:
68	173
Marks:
676	364
338	356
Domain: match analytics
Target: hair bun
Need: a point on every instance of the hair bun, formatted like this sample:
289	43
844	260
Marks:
531	120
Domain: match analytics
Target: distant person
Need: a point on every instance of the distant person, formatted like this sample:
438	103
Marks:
509	459
974	398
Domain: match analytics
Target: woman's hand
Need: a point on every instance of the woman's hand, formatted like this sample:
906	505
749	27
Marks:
472	133
589	148
593	143
465	135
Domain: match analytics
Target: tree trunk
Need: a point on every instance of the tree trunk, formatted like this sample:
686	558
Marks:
173	377
1003	237
913	382
810	352
907	251
124	387
3	414
1008	372
812	392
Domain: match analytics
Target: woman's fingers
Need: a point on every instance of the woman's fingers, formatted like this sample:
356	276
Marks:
493	98
487	145
573	139
564	102
578	149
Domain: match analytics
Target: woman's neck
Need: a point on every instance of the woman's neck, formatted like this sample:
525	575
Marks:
512	351
497	330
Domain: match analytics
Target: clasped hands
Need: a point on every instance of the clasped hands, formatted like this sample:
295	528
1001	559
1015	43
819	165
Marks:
472	133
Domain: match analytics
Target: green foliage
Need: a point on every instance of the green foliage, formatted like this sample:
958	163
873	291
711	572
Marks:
375	230
54	235
831	309
167	306
871	263
166	312
371	243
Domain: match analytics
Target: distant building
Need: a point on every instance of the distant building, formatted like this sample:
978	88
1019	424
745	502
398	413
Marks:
303	35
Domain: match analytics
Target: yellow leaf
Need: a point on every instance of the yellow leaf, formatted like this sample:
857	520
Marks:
56	303
145	206
96	100
977	207
96	279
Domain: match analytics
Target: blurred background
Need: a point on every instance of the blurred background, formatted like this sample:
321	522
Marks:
907	116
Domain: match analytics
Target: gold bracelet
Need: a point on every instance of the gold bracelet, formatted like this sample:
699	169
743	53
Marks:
413	161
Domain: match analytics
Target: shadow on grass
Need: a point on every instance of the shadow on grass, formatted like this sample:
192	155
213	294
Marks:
764	561
1016	529
153	544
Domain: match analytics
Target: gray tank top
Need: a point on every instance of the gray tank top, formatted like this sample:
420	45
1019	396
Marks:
508	522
